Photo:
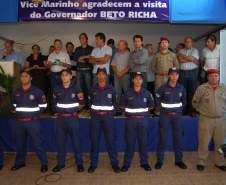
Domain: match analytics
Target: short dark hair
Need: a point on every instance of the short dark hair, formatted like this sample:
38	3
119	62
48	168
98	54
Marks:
36	45
11	42
213	38
83	34
57	40
69	43
138	37
101	36
67	71
110	41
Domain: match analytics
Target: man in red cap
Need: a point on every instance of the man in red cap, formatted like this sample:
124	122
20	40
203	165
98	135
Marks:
210	101
162	62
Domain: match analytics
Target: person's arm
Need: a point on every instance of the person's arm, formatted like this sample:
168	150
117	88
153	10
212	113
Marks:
184	98
151	103
153	64
67	62
100	60
197	98
42	101
158	98
175	62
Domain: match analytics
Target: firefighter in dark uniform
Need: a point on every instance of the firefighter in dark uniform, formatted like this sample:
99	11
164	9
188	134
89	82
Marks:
28	101
137	103
66	104
103	102
171	99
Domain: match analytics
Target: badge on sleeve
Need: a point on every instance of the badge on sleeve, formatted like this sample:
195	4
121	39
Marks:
31	97
180	94
145	100
109	95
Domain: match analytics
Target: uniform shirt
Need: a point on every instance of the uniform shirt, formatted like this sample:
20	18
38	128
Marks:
80	51
171	99
120	60
162	62
138	60
189	65
137	103
99	53
56	58
14	56
65	99
28	103
210	102
103	99
211	58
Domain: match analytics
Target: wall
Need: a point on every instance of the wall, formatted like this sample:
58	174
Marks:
44	33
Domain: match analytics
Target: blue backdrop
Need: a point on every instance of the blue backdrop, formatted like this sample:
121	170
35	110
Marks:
198	11
189	125
8	11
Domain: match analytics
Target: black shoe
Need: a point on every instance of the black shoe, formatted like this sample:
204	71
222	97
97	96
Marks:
44	168
158	165
200	167
58	168
80	168
116	169
222	168
1	166
146	167
181	165
17	167
124	169
91	169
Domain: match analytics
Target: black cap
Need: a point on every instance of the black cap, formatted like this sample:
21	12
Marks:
67	71
102	70
172	70
138	74
25	71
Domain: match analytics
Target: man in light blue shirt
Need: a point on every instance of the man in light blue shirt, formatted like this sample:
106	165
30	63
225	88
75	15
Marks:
9	54
189	64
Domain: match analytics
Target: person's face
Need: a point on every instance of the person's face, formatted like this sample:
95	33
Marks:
138	81
210	44
173	77
8	47
25	79
188	43
178	48
101	77
137	43
99	42
66	77
122	46
83	40
150	50
164	44
213	78
58	45
35	50
70	48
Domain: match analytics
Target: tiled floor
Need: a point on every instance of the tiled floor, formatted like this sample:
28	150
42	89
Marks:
169	175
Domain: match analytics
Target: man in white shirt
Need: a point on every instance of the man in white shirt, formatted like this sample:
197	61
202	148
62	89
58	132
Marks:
210	55
100	56
58	60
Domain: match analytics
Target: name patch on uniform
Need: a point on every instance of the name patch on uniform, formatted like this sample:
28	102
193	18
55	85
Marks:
109	95
31	97
167	92
130	98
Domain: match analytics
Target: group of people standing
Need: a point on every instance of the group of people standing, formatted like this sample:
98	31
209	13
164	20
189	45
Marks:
132	74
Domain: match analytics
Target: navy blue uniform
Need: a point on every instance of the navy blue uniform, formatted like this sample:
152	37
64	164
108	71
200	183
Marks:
171	101
137	106
28	104
66	104
103	102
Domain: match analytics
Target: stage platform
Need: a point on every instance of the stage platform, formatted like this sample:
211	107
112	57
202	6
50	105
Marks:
189	125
